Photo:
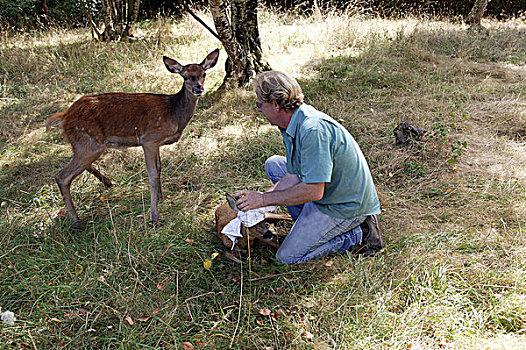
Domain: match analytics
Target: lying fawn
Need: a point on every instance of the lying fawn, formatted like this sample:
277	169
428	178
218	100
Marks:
227	211
120	120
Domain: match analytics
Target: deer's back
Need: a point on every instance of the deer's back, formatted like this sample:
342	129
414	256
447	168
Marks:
120	115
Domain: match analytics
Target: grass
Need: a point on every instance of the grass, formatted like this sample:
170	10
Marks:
453	205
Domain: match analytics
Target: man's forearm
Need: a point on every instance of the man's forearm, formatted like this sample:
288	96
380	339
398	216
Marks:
293	195
286	192
287	181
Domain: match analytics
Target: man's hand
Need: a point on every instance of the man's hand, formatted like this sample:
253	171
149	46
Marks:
248	200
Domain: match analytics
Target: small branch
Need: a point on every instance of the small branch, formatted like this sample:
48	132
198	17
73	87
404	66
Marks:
201	21
94	29
201	295
239	309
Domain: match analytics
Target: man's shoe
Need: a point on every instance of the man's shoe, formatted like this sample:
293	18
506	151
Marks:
372	239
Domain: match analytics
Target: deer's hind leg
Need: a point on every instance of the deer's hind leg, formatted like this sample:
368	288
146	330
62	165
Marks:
99	176
85	152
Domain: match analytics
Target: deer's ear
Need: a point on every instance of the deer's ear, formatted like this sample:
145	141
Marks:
210	60
172	65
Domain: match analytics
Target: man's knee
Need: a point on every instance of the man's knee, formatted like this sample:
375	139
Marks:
282	257
276	167
286	256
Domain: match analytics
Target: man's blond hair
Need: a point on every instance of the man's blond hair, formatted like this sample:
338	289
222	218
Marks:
280	87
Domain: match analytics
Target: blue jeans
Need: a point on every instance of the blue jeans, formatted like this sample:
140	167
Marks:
314	233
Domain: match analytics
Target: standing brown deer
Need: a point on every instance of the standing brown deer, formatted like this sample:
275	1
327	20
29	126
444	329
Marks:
120	120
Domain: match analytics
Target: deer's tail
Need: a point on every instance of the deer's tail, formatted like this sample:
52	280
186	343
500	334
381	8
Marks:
54	119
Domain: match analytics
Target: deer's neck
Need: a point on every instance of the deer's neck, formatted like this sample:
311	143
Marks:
183	105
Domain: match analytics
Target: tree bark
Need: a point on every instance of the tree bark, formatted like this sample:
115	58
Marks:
45	16
239	35
475	15
248	29
109	30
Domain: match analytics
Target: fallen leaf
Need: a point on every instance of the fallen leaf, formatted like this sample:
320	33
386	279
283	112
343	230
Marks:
329	263
160	286
279	290
129	320
78	270
187	346
54	319
215	255
156	311
101	279
189	240
264	312
207	264
144	318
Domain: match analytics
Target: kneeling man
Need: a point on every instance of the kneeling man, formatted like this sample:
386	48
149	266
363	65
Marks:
324	180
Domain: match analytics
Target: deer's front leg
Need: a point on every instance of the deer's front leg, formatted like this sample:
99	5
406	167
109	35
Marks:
153	166
158	161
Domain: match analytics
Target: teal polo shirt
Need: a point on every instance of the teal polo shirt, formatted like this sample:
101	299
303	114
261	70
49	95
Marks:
319	149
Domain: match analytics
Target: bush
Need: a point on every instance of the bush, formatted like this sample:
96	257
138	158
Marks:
29	14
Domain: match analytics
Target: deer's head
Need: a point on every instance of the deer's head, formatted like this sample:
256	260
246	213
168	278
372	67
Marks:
193	74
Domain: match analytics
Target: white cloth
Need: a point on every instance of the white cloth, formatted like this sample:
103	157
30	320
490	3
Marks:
250	218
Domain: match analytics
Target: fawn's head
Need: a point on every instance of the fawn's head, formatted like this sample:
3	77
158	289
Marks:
193	74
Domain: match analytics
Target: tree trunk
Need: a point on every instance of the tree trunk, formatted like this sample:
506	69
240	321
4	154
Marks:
239	35
45	16
246	29
475	15
119	18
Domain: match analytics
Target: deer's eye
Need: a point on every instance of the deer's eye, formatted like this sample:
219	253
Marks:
204	75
